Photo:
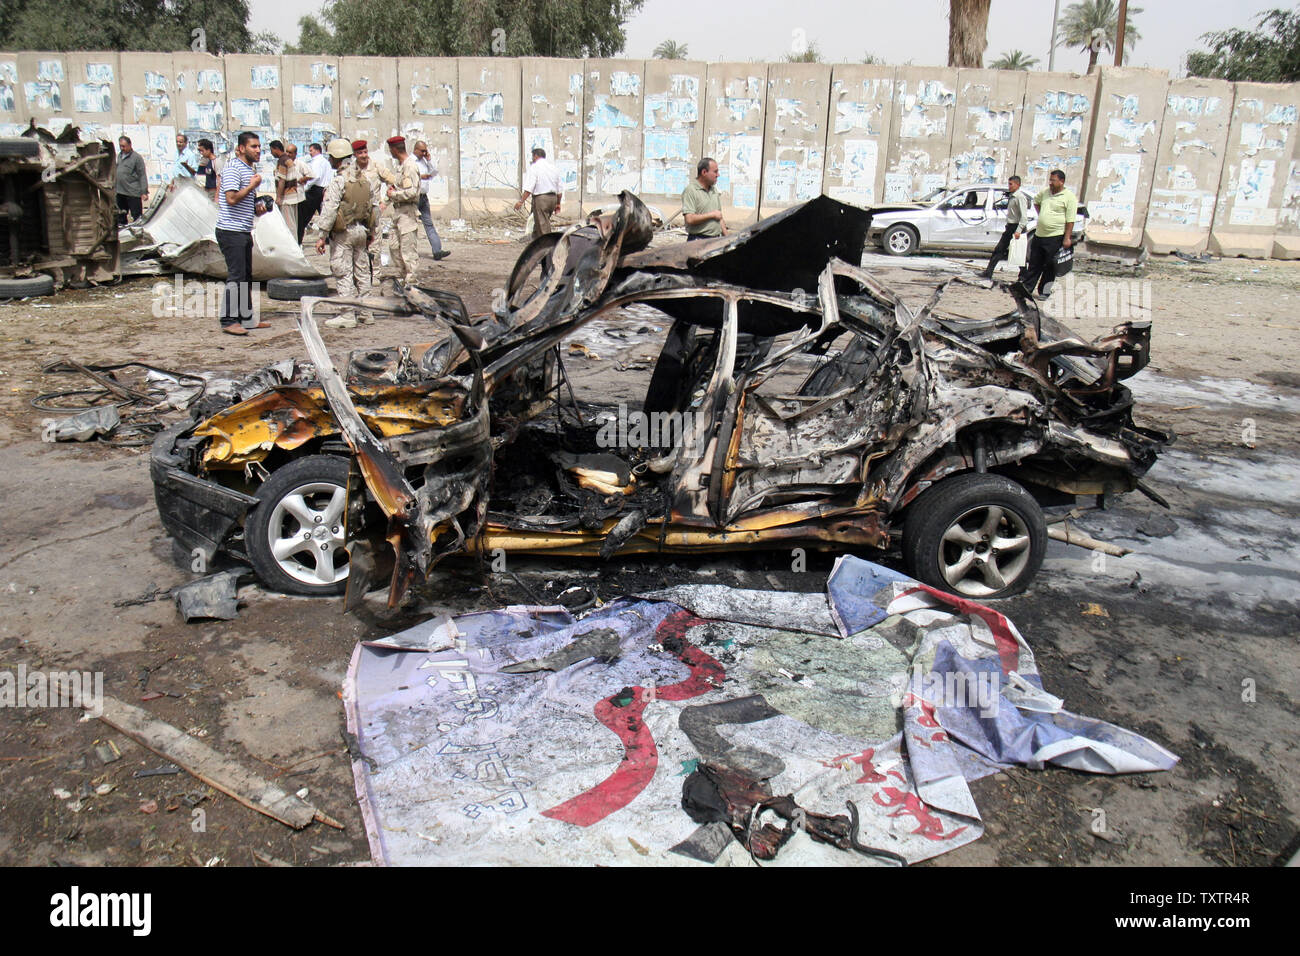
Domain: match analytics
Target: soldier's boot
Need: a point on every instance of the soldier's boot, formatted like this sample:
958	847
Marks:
346	321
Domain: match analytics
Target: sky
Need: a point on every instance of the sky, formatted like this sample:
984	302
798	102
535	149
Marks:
897	32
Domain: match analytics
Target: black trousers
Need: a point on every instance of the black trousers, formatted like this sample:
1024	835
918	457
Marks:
1001	249
133	206
237	248
1041	266
309	206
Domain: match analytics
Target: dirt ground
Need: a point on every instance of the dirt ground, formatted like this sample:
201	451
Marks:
1194	643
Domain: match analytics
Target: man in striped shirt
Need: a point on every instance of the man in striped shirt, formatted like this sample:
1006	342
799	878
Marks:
236	206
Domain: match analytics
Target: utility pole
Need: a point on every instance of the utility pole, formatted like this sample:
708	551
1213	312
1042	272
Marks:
1051	56
1119	32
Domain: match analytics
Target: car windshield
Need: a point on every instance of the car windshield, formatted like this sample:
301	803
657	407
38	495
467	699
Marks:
935	195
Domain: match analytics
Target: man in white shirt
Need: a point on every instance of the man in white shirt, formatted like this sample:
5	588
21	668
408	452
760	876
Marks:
321	174
427	171
542	182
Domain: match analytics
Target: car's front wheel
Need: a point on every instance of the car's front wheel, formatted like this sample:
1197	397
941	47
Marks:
296	532
978	535
900	240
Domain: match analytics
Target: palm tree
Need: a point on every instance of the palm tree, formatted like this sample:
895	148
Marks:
968	28
1080	20
1014	60
670	50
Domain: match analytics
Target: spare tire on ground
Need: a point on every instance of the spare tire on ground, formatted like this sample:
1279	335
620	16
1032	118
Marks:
291	290
30	285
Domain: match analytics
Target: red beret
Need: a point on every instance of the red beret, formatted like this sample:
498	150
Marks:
397	141
359	144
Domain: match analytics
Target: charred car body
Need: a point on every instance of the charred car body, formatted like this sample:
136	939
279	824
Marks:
832	417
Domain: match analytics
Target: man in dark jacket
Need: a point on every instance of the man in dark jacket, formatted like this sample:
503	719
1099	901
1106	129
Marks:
132	185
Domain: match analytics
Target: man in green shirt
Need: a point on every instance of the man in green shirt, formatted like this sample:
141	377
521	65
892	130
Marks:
702	204
1057	207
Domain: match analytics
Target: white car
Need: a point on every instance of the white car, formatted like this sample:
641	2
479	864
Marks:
967	217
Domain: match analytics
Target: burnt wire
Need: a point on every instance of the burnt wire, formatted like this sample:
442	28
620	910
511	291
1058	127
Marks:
137	406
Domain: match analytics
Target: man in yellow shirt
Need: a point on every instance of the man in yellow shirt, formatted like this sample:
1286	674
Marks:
1057	207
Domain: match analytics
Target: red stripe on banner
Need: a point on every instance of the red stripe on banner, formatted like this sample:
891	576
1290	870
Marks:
1006	643
640	754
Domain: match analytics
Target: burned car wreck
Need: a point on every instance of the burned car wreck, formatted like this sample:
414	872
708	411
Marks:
57	212
805	405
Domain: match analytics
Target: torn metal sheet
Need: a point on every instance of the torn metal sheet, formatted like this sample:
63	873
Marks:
466	755
177	233
83	426
211	598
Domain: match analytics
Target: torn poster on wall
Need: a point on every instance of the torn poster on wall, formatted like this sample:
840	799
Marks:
43	95
92	98
677	107
209	116
605	114
622	83
478	107
1255	181
856	171
264	77
51	70
739	156
432	99
326	73
151	107
99	73
248	112
992	125
312	99
489	157
1129	132
852	115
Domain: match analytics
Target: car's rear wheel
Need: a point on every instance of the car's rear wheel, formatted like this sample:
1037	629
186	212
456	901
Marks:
900	240
296	532
978	535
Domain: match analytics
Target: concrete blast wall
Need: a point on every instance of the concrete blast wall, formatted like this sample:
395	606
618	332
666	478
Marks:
490	121
1187	165
426	100
1122	158
986	125
612	105
794	140
1055	128
925	101
1189	161
1261	142
734	108
553	112
672	130
859	120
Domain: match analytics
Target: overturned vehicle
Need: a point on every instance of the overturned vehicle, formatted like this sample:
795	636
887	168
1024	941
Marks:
57	212
804	405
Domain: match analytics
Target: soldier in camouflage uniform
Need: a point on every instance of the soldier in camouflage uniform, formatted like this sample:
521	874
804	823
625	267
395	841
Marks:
348	214
403	193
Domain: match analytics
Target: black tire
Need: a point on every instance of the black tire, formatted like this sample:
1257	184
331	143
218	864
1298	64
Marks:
291	290
962	506
21	288
271	520
900	240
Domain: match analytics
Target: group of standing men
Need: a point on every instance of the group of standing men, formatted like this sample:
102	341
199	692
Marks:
349	218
